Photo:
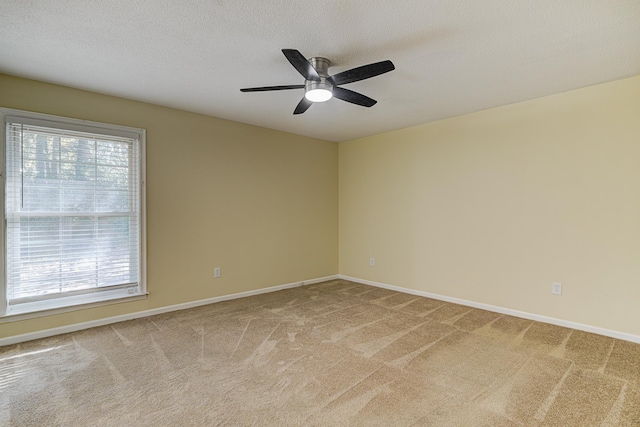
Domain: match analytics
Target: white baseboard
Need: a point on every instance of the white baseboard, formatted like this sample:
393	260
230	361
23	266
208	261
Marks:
530	316
106	321
138	314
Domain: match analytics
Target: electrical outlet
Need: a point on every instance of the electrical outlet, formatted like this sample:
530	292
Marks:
216	272
372	261
556	288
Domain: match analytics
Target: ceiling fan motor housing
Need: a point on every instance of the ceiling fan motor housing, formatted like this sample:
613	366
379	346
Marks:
321	65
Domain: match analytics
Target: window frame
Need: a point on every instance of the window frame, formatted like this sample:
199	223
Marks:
90	299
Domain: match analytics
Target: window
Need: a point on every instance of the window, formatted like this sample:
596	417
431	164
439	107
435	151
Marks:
74	213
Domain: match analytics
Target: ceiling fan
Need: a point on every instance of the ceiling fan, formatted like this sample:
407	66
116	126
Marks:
319	86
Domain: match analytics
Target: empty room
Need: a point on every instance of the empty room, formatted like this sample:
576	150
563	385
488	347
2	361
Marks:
355	213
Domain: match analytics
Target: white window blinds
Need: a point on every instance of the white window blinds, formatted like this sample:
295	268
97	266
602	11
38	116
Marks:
72	210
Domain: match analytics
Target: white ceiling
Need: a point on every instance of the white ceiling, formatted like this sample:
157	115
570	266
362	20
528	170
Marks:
451	56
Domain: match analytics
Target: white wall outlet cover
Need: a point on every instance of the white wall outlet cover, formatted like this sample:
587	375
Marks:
372	261
216	272
556	288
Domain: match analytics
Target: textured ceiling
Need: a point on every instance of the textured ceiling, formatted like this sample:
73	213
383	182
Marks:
451	57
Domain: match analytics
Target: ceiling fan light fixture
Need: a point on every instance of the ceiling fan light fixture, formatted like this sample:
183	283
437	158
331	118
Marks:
318	91
318	95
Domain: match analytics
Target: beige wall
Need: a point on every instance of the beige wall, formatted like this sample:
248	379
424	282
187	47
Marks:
490	207
260	204
494	206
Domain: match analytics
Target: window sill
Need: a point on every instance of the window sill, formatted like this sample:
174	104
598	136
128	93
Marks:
36	309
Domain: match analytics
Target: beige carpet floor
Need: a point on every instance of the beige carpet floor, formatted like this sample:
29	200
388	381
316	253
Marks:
331	354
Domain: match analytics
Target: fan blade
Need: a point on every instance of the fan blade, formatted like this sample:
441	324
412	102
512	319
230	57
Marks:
301	64
353	97
266	88
302	106
361	73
